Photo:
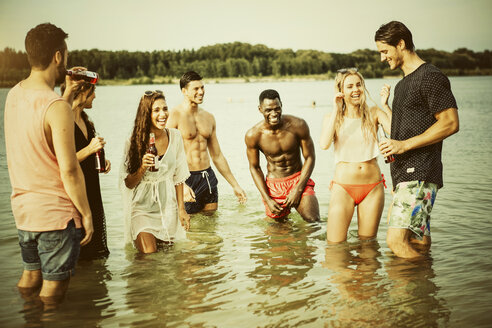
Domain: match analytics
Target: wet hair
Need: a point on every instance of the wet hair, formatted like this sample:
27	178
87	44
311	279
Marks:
367	123
141	130
84	87
42	42
269	94
394	31
188	77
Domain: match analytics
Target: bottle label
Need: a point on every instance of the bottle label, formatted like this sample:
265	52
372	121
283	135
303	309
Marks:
156	162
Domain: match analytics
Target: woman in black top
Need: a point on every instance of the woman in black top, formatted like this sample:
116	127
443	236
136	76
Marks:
87	144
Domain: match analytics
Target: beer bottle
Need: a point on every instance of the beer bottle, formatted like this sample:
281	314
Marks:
100	159
381	136
152	150
88	76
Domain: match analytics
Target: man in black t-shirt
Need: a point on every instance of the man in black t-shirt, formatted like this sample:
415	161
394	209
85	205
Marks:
424	114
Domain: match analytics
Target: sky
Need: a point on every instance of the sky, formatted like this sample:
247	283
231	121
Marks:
325	25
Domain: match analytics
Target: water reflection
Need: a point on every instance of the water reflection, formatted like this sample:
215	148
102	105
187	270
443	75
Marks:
413	295
170	286
355	277
283	256
381	291
91	300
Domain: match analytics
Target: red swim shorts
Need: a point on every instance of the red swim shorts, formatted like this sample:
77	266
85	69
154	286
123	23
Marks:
279	189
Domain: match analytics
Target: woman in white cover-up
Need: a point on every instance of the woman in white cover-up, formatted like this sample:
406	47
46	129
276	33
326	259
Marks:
154	207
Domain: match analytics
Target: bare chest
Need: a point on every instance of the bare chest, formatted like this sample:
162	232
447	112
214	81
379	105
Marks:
274	145
192	127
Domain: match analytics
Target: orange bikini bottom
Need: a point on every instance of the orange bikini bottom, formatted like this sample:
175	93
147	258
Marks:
359	191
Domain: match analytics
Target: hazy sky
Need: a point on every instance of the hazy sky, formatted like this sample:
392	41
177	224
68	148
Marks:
326	25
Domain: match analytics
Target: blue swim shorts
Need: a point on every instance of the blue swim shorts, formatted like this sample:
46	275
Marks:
204	185
54	252
412	205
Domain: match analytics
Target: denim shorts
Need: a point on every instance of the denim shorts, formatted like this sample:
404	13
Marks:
412	206
54	252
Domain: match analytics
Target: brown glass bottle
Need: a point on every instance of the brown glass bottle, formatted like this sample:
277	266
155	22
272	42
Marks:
100	161
152	150
382	135
88	76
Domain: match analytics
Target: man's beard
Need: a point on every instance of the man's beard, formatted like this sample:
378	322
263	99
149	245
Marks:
61	71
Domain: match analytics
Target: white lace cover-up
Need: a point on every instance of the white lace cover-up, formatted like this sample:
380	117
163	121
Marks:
152	206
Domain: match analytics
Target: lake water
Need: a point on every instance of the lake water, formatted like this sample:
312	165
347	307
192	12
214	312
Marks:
238	269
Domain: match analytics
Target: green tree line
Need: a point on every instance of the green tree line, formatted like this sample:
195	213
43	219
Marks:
241	60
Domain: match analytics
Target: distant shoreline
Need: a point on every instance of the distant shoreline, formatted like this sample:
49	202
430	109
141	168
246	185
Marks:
255	79
251	79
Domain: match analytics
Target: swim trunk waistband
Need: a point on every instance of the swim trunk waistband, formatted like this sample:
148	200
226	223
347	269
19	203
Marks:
209	169
204	185
279	189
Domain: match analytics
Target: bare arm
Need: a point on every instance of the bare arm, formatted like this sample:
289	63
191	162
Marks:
222	166
183	216
95	145
328	128
133	179
59	121
253	154
307	147
384	115
447	124
71	84
327	131
381	117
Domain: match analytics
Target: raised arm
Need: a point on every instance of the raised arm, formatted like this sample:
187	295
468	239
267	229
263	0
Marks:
59	129
327	131
221	164
328	128
384	115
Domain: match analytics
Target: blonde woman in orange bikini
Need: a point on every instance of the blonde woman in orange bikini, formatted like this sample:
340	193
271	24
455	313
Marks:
357	182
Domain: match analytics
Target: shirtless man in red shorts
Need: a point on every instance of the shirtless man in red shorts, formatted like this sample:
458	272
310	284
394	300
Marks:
281	139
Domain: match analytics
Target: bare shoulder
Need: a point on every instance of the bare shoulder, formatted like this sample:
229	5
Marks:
176	111
58	111
296	124
205	114
253	134
374	110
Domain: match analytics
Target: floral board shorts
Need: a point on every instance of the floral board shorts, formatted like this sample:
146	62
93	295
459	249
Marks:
412	205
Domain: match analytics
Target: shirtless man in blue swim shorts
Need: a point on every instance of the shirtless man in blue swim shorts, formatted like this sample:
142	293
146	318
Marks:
424	114
197	127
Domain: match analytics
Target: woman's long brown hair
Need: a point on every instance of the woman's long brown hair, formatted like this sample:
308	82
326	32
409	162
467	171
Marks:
141	130
89	89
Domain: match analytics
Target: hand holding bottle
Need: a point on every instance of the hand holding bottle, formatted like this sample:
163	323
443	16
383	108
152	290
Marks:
382	137
152	150
97	143
71	83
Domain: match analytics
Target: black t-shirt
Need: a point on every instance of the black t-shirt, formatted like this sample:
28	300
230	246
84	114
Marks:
418	97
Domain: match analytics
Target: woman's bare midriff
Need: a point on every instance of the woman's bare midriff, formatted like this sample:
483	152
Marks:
357	173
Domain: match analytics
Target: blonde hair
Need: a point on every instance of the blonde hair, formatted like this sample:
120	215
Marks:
368	127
